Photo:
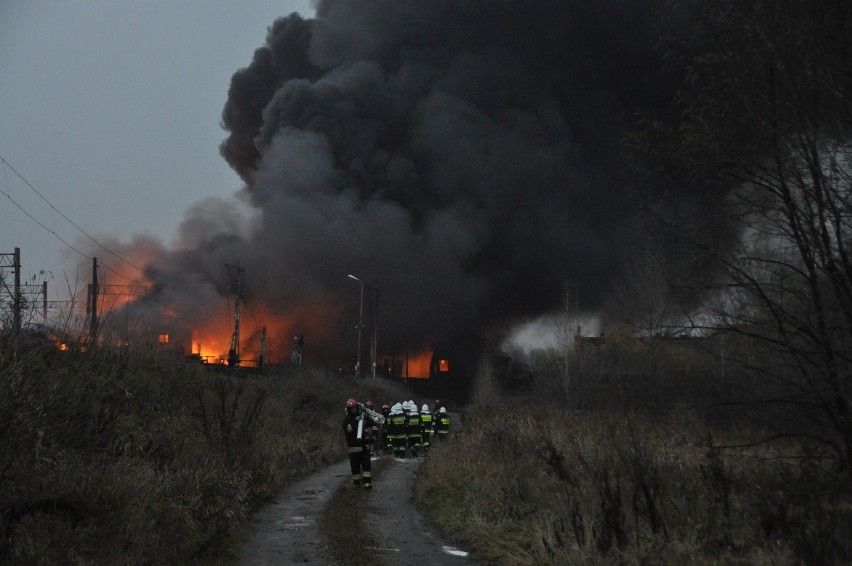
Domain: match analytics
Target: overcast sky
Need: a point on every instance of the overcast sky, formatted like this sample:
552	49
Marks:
111	109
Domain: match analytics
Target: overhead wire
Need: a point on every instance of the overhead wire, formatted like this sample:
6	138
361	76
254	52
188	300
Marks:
52	231
7	194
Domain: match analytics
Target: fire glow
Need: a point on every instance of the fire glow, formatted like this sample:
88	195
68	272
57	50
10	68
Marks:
419	365
208	349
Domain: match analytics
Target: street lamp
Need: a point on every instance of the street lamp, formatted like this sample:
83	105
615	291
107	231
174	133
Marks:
375	329
360	324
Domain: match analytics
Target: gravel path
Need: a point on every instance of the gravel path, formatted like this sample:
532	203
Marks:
405	533
286	531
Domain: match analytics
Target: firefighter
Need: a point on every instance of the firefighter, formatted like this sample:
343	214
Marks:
426	430
359	452
397	430
373	438
415	429
443	425
384	441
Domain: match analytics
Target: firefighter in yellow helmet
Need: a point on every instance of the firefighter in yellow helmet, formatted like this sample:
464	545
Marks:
356	429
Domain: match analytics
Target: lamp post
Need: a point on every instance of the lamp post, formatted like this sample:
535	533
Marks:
375	330
374	322
360	325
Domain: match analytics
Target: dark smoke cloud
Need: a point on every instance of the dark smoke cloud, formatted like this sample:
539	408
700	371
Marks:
462	156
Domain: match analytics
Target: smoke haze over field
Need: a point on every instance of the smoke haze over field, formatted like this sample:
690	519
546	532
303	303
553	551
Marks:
460	156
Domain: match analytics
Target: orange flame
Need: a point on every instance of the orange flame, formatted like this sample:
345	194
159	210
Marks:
419	365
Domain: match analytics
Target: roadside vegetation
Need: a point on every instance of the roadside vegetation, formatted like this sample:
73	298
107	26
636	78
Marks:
712	421
527	478
148	459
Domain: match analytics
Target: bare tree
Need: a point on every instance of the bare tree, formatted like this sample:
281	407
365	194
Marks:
767	124
642	296
566	327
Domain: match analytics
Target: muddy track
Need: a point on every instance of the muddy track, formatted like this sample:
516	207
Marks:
287	531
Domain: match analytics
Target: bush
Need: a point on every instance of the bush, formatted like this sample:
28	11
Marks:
525	485
147	459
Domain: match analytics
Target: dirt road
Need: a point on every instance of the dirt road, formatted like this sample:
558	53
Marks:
286	531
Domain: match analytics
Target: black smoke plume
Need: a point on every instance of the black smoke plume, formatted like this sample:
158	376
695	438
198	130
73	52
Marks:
462	157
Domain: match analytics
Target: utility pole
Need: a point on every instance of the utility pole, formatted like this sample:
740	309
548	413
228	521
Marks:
360	325
234	350
16	305
19	290
296	355
93	329
262	348
13	260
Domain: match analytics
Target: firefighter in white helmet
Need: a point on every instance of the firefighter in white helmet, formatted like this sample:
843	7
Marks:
442	428
396	428
426	427
415	429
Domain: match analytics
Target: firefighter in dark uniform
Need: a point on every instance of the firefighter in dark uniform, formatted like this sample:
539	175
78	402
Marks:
397	433
437	407
415	429
373	438
442	430
359	452
385	443
426	431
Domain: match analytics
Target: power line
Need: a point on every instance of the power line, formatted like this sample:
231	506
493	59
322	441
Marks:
57	236
106	266
74	224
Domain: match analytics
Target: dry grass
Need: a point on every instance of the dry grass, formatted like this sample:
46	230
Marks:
106	459
522	485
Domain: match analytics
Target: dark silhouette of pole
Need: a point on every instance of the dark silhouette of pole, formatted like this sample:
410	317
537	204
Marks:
93	328
375	329
16	300
234	350
360	325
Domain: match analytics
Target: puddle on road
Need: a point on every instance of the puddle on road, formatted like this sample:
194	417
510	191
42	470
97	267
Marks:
307	494
454	551
293	523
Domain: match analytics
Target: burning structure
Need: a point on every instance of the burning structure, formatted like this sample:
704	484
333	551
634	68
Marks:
461	157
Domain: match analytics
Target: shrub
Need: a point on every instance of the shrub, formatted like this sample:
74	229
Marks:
526	485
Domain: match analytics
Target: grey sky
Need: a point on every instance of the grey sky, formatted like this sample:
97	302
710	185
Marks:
111	109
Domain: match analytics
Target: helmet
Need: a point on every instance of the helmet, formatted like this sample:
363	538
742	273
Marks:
443	410
369	404
351	403
396	409
425	408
